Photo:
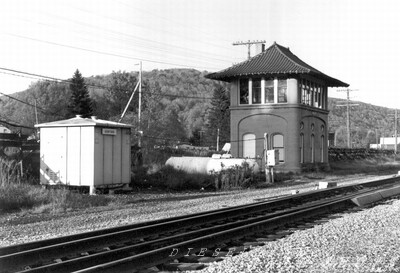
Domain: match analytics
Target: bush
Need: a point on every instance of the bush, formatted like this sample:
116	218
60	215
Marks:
167	178
10	171
235	177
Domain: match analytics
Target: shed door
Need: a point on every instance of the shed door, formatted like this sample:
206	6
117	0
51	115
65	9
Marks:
53	154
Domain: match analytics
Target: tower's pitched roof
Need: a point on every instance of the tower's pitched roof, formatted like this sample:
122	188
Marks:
274	61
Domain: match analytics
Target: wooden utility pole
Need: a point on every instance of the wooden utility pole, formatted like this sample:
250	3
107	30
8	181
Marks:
37	121
395	130
249	43
140	105
348	113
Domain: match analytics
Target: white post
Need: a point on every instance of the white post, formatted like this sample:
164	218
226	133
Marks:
140	103
218	140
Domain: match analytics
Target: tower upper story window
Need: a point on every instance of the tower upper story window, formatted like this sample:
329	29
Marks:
269	91
282	91
244	91
256	91
312	94
262	91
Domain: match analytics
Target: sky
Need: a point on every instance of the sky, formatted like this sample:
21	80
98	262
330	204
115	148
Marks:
355	41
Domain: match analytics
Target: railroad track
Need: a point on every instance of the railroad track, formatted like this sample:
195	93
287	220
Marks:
159	242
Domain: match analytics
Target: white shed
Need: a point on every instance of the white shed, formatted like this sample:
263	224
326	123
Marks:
85	152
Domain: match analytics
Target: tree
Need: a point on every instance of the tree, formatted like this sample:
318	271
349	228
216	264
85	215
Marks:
80	103
219	117
121	85
173	130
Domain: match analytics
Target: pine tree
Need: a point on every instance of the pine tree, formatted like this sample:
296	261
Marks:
219	117
80	103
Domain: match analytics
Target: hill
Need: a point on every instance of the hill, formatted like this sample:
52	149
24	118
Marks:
174	100
367	122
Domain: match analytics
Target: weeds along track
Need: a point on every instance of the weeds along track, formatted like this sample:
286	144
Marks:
161	242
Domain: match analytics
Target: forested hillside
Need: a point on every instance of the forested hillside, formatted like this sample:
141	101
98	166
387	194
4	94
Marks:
176	104
367	122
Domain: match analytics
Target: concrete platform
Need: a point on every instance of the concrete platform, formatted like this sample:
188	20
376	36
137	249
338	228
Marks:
367	199
390	192
375	197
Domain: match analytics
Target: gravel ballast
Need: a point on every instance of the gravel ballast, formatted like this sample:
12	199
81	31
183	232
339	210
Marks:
366	241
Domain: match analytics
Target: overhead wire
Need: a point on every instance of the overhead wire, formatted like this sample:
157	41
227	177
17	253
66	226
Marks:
146	26
44	111
206	142
48	78
199	56
15	124
104	52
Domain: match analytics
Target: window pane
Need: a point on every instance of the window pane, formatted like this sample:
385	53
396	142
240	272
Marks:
312	149
256	91
322	148
281	154
282	91
277	143
244	91
269	91
249	145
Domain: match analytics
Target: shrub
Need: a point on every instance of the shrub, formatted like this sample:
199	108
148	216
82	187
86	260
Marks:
166	177
235	177
10	171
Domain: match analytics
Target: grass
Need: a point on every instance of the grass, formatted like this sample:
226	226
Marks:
18	193
16	197
375	165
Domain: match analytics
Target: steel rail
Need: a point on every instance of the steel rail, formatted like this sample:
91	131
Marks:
161	255
69	238
71	248
104	237
145	247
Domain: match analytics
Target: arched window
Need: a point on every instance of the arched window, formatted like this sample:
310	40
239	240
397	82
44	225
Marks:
249	145
312	148
322	147
278	144
301	148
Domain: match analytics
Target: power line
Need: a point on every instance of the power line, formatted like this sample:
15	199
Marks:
184	25
53	79
44	111
15	125
103	52
177	140
161	48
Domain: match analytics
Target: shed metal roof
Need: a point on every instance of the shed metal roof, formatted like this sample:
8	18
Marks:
79	121
274	61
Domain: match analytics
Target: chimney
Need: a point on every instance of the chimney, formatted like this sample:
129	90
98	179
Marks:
260	48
